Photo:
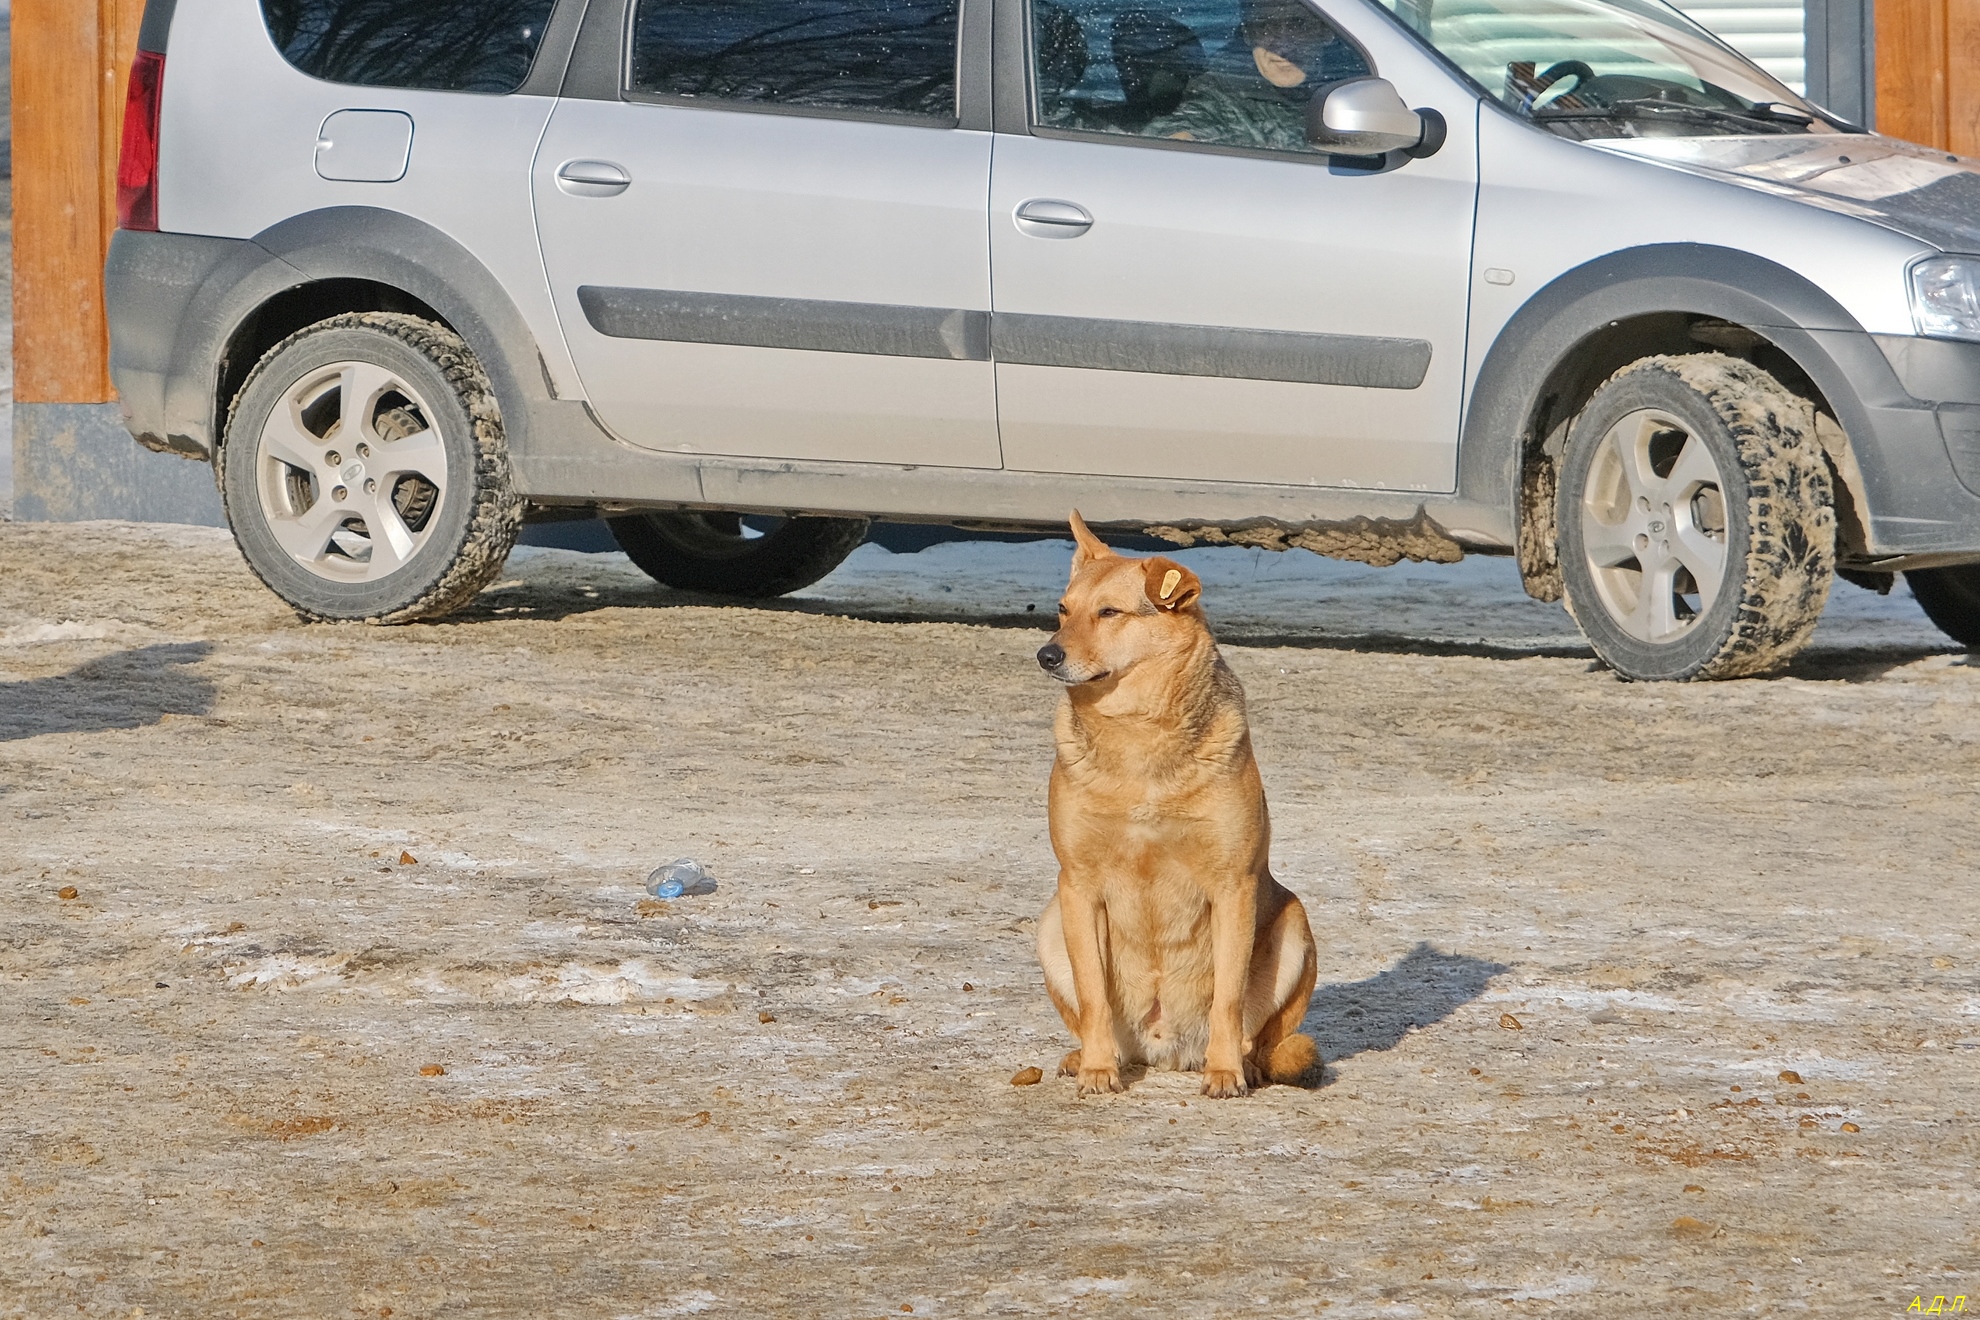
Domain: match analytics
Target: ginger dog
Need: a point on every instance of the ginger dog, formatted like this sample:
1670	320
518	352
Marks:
1169	943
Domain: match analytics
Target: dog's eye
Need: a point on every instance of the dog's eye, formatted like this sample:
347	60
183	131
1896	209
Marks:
1108	611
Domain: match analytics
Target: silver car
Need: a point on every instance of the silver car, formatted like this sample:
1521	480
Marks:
1562	279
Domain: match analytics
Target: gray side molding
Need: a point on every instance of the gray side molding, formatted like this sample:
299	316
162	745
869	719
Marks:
970	336
1207	350
805	323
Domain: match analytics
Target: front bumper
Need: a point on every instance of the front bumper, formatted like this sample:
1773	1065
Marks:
1911	410
1944	375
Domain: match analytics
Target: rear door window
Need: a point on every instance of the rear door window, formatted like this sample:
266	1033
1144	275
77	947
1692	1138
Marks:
886	58
447	45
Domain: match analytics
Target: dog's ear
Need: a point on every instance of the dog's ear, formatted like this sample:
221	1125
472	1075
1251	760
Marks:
1170	586
1090	547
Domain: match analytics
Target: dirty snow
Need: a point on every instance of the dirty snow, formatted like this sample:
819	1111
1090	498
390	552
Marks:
259	1066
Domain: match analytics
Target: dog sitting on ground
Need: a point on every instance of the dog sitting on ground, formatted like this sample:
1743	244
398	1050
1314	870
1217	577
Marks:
1169	943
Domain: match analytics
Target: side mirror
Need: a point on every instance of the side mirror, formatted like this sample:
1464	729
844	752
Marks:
1367	117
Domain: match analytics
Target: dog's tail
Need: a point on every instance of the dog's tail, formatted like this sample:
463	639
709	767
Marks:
1294	1060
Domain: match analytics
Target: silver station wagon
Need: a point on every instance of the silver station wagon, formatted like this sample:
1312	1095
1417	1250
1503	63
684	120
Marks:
1568	280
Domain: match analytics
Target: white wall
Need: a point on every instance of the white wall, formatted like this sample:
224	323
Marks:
1768	32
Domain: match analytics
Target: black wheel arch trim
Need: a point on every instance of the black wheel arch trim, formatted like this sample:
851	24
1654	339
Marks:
1914	500
225	283
396	250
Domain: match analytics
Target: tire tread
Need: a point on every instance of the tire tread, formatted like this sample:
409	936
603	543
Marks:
1790	511
495	518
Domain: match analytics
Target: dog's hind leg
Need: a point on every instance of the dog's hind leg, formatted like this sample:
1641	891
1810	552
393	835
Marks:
1284	968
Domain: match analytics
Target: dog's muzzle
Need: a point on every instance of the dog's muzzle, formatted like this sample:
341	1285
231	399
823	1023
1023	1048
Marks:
1052	659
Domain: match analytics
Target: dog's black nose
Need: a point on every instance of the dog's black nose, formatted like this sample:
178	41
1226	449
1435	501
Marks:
1051	655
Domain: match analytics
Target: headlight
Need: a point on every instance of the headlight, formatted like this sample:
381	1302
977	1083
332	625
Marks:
1945	297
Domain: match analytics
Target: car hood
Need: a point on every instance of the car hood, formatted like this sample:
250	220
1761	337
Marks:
1915	190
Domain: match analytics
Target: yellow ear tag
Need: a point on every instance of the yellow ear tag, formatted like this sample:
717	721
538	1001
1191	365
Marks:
1169	580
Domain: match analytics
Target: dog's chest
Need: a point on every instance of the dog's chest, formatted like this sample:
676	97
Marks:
1149	823
1145	793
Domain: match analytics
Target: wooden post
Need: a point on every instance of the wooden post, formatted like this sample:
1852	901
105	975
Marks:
1928	72
71	59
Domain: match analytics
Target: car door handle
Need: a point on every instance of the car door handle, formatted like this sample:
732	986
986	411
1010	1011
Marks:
1044	218
592	178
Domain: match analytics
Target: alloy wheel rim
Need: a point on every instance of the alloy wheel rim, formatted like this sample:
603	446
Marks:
351	471
1653	526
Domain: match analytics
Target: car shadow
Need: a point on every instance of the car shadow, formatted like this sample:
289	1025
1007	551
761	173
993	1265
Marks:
1861	664
122	690
546	601
1424	987
548	604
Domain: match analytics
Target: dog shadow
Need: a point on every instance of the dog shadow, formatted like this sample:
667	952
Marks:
1424	987
122	690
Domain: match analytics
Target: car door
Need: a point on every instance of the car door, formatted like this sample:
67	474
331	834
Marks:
773	242
1185	289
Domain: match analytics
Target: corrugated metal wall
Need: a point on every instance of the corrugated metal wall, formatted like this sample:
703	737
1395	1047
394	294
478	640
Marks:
1768	32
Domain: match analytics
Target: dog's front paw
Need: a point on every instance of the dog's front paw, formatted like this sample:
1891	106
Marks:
1099	1081
1069	1066
1223	1083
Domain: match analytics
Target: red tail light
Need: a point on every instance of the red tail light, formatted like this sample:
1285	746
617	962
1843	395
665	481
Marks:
137	163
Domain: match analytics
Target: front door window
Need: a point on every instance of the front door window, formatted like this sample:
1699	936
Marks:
1224	73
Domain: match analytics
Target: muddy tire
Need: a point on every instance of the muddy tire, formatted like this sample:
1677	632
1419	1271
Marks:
716	553
1697	520
364	471
1950	598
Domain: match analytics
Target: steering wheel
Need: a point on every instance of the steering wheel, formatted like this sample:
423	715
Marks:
1580	72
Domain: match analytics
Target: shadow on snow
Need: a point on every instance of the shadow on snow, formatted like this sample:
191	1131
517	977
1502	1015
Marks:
1424	987
122	690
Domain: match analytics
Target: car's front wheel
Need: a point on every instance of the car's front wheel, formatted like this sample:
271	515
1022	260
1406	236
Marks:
721	554
364	471
1697	527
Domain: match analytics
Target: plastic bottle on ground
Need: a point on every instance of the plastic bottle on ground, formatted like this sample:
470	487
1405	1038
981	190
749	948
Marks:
683	876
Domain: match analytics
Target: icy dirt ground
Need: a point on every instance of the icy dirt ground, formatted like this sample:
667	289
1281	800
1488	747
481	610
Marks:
1574	933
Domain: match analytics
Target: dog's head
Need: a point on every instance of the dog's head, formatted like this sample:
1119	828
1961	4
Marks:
1118	612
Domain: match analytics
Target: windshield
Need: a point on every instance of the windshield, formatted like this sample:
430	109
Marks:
1607	68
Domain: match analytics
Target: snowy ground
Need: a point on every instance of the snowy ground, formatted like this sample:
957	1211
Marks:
330	988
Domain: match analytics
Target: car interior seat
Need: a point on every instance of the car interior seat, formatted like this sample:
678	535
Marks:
1155	57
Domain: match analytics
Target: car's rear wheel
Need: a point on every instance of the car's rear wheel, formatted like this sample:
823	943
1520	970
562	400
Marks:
722	554
1697	527
1950	598
364	471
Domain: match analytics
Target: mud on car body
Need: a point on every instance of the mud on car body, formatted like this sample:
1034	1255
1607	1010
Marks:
1565	279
